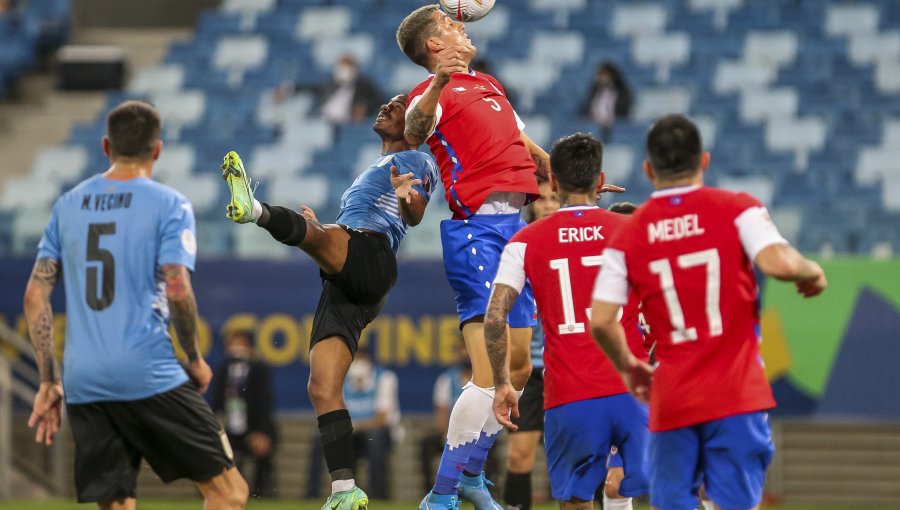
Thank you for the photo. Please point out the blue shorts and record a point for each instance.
(578, 436)
(729, 456)
(472, 250)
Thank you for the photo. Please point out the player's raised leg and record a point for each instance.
(226, 491)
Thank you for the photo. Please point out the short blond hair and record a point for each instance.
(412, 32)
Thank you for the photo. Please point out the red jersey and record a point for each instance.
(560, 255)
(477, 142)
(687, 254)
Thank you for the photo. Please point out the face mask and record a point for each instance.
(239, 352)
(344, 74)
(360, 372)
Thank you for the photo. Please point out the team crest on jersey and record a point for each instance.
(676, 200)
(459, 89)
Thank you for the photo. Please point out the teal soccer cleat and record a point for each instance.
(474, 490)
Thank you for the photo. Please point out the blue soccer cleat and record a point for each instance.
(474, 490)
(434, 501)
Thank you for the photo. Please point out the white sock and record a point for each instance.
(342, 485)
(469, 414)
(257, 210)
(616, 504)
(707, 504)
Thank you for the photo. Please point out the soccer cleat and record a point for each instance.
(474, 490)
(353, 499)
(240, 210)
(434, 501)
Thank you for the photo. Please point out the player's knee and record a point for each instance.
(321, 392)
(519, 461)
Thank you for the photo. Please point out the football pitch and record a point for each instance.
(196, 504)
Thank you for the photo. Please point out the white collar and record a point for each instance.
(678, 190)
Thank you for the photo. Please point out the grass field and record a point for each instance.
(307, 505)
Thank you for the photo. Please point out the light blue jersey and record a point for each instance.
(111, 239)
(537, 346)
(370, 204)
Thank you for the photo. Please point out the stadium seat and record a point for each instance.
(156, 80)
(618, 163)
(758, 105)
(773, 49)
(707, 127)
(60, 165)
(176, 160)
(202, 190)
(272, 113)
(309, 190)
(268, 161)
(654, 103)
(528, 78)
(846, 20)
(798, 135)
(323, 22)
(662, 51)
(538, 129)
(240, 53)
(759, 186)
(877, 163)
(308, 134)
(559, 48)
(180, 109)
(248, 7)
(720, 8)
(255, 242)
(890, 133)
(868, 48)
(634, 19)
(366, 154)
(733, 76)
(492, 27)
(407, 75)
(28, 227)
(890, 194)
(327, 50)
(887, 76)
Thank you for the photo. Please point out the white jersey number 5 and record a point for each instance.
(494, 104)
(709, 258)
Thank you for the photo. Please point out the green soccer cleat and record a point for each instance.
(354, 499)
(240, 210)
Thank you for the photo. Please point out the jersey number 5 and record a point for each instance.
(565, 289)
(494, 104)
(97, 254)
(708, 258)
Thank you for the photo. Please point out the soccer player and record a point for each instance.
(487, 166)
(688, 253)
(357, 258)
(125, 247)
(587, 407)
(523, 442)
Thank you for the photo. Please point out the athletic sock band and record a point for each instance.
(336, 434)
(285, 225)
(517, 492)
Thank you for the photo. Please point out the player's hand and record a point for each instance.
(638, 378)
(450, 60)
(612, 188)
(506, 405)
(403, 184)
(47, 412)
(199, 372)
(308, 213)
(814, 286)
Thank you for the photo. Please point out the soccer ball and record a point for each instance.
(467, 10)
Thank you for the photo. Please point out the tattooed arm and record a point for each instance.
(47, 409)
(496, 340)
(183, 308)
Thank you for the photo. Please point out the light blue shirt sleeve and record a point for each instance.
(179, 240)
(422, 167)
(49, 246)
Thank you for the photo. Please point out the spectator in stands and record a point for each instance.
(370, 392)
(609, 99)
(348, 96)
(243, 394)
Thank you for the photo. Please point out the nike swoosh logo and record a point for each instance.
(335, 506)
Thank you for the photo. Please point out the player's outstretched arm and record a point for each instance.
(47, 409)
(412, 205)
(539, 155)
(610, 336)
(785, 263)
(497, 343)
(183, 309)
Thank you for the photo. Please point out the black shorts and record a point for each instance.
(531, 405)
(353, 298)
(175, 431)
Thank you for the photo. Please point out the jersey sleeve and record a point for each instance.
(755, 228)
(49, 247)
(178, 244)
(612, 284)
(442, 394)
(424, 169)
(512, 266)
(437, 112)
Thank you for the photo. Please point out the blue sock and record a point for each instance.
(453, 461)
(480, 453)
